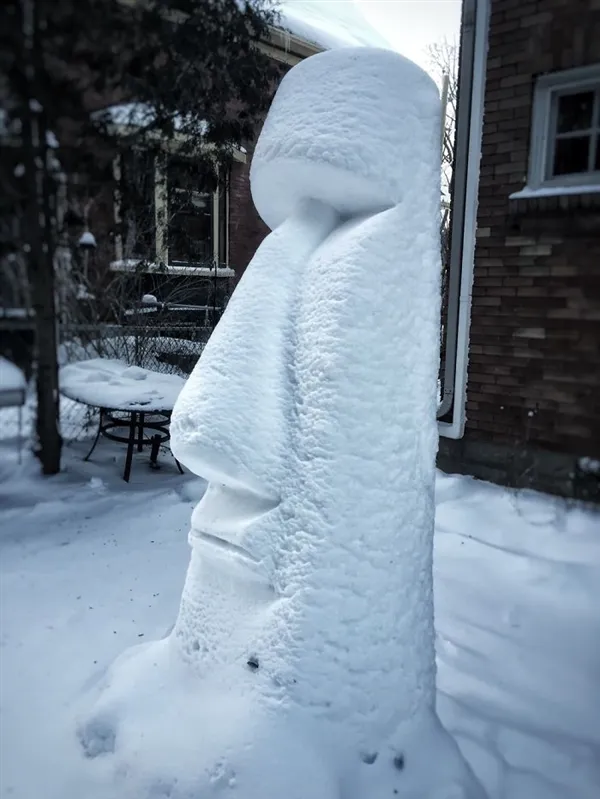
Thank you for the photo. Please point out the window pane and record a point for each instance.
(190, 214)
(575, 112)
(223, 232)
(137, 205)
(571, 155)
(597, 160)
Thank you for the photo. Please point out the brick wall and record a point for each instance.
(534, 365)
(246, 228)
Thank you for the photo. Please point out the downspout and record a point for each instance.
(474, 41)
(445, 86)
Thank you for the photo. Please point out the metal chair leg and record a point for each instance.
(20, 434)
(140, 443)
(130, 445)
(98, 434)
(154, 451)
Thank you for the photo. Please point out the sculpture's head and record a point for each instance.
(317, 388)
(353, 128)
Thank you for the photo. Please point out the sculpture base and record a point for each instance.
(157, 730)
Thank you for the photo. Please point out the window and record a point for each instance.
(191, 216)
(137, 210)
(565, 134)
(163, 214)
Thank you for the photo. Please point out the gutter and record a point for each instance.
(286, 47)
(473, 63)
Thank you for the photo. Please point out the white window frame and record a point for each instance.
(125, 118)
(548, 89)
(221, 259)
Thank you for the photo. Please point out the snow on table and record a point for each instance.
(116, 385)
(13, 384)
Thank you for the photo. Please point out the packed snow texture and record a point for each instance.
(330, 24)
(109, 383)
(11, 377)
(358, 155)
(87, 239)
(305, 638)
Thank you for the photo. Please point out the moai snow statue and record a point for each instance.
(302, 663)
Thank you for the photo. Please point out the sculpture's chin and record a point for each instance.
(221, 553)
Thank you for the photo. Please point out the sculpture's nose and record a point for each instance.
(233, 401)
(230, 422)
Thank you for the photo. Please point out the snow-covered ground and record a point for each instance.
(90, 566)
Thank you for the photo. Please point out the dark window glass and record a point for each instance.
(571, 155)
(575, 112)
(597, 159)
(190, 215)
(223, 233)
(137, 205)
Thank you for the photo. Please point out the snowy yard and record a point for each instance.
(292, 656)
(91, 566)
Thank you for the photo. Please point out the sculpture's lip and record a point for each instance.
(220, 525)
(232, 556)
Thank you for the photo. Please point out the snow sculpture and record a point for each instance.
(302, 664)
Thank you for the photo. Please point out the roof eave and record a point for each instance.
(287, 47)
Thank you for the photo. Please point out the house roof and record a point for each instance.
(329, 24)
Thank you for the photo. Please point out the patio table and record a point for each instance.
(130, 397)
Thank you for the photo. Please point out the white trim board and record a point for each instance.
(455, 429)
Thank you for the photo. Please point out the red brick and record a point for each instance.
(486, 300)
(517, 281)
(531, 20)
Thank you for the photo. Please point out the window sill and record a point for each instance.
(16, 313)
(528, 193)
(198, 271)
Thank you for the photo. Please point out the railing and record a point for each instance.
(162, 347)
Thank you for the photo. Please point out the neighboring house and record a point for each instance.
(244, 228)
(171, 239)
(176, 242)
(307, 28)
(222, 228)
(170, 227)
(523, 393)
